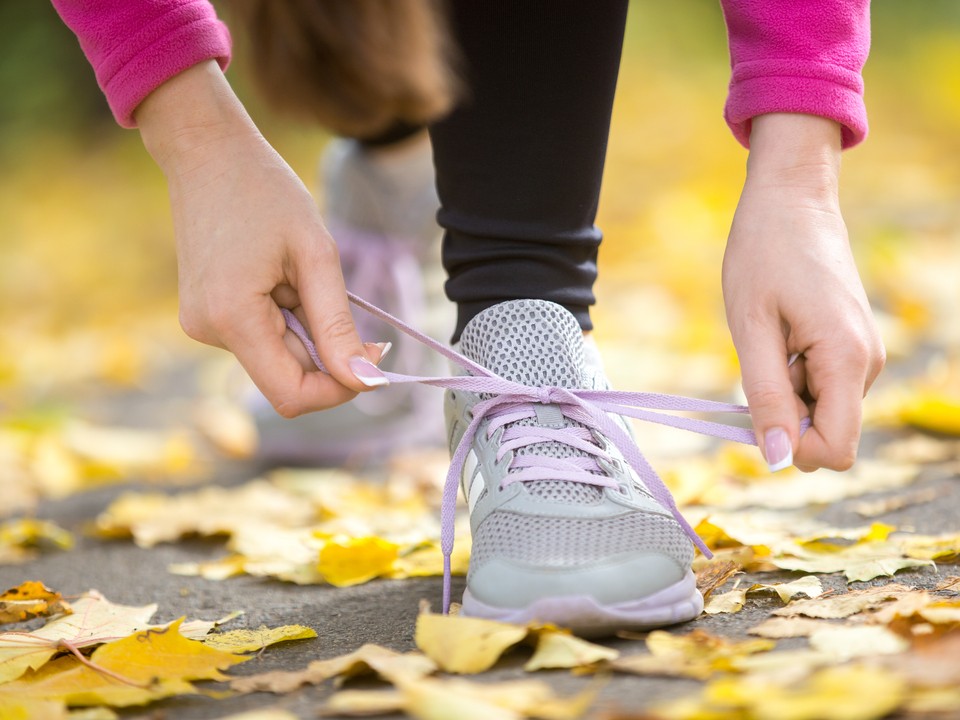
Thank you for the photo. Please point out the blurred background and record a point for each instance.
(89, 341)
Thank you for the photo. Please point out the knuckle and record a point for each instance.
(764, 395)
(339, 326)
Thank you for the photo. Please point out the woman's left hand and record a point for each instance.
(790, 286)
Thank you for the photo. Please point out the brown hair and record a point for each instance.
(359, 67)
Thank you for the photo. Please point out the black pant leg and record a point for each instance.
(519, 162)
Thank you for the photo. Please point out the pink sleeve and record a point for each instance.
(800, 56)
(135, 46)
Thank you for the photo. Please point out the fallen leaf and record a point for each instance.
(933, 412)
(29, 600)
(950, 583)
(942, 548)
(845, 605)
(859, 562)
(95, 620)
(714, 575)
(18, 538)
(351, 561)
(465, 645)
(245, 640)
(846, 643)
(697, 655)
(557, 649)
(728, 602)
(12, 708)
(932, 663)
(263, 714)
(368, 659)
(809, 586)
(853, 692)
(154, 518)
(143, 667)
(777, 628)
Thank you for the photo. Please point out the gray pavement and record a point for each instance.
(380, 612)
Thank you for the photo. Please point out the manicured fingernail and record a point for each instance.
(366, 372)
(779, 449)
(384, 349)
(792, 359)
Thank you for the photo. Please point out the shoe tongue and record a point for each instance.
(533, 342)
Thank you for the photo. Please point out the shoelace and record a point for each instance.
(509, 402)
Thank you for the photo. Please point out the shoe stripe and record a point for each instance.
(477, 487)
(468, 475)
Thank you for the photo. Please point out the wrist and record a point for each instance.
(800, 153)
(183, 119)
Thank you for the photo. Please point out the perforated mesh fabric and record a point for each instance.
(536, 343)
(576, 542)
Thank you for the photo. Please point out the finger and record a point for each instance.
(798, 376)
(256, 337)
(767, 385)
(837, 383)
(323, 297)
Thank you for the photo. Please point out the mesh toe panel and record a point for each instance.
(576, 542)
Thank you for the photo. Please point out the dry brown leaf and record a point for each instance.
(932, 662)
(714, 574)
(950, 583)
(845, 605)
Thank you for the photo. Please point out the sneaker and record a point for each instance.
(591, 550)
(381, 207)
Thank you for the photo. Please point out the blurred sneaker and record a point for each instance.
(381, 205)
(563, 530)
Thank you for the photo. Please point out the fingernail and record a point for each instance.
(366, 372)
(779, 449)
(384, 349)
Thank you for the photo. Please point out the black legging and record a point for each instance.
(519, 163)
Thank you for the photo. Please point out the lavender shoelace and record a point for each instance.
(509, 401)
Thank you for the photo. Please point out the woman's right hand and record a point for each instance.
(250, 241)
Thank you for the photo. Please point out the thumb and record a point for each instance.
(770, 395)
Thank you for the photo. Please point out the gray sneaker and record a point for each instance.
(595, 555)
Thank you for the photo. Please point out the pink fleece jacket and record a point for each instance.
(802, 56)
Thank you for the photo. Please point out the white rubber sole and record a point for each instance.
(677, 603)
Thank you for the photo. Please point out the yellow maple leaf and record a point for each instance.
(246, 640)
(356, 560)
(143, 667)
(95, 621)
